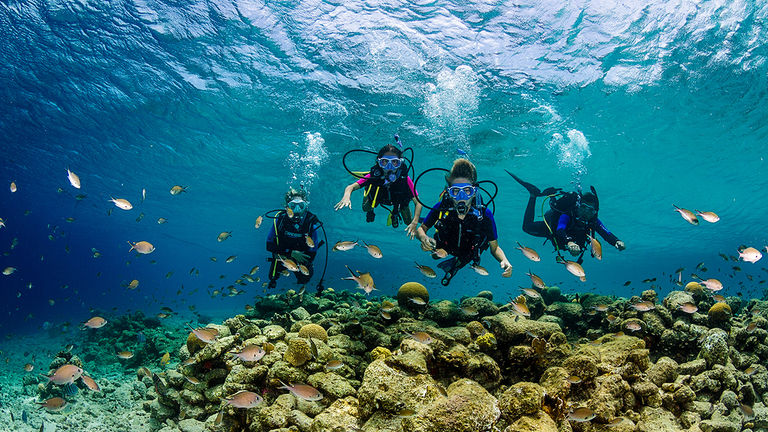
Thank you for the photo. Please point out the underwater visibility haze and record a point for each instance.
(655, 104)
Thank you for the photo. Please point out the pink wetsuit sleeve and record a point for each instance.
(411, 187)
(364, 179)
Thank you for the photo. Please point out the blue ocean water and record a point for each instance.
(654, 104)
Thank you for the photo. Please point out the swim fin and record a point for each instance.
(533, 190)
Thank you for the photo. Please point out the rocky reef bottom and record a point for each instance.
(339, 361)
(547, 362)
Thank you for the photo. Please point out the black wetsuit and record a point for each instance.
(397, 193)
(465, 239)
(566, 226)
(288, 235)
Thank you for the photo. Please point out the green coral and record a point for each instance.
(523, 398)
(314, 331)
(298, 352)
(411, 290)
(486, 342)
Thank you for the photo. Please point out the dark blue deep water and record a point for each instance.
(654, 104)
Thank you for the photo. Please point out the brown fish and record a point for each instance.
(344, 245)
(426, 270)
(223, 236)
(29, 367)
(688, 308)
(633, 326)
(244, 399)
(74, 180)
(600, 307)
(303, 391)
(575, 269)
(530, 292)
(713, 285)
(250, 353)
(520, 308)
(750, 254)
(66, 374)
(643, 306)
(687, 215)
(178, 189)
(288, 263)
(536, 281)
(417, 301)
(528, 252)
(422, 337)
(364, 280)
(373, 250)
(13, 187)
(125, 355)
(121, 203)
(581, 414)
(90, 383)
(708, 216)
(482, 271)
(55, 404)
(257, 224)
(142, 247)
(751, 327)
(95, 323)
(133, 284)
(206, 335)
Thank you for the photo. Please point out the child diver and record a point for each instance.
(570, 221)
(293, 239)
(387, 183)
(463, 226)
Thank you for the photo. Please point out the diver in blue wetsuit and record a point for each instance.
(295, 236)
(463, 226)
(569, 222)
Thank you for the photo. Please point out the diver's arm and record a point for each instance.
(498, 253)
(412, 227)
(345, 200)
(608, 236)
(427, 242)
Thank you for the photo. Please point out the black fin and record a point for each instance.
(533, 190)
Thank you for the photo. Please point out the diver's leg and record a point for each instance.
(368, 208)
(405, 213)
(533, 190)
(274, 271)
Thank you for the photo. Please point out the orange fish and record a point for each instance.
(597, 248)
(142, 247)
(29, 367)
(90, 383)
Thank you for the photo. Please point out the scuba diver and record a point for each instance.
(464, 226)
(293, 239)
(570, 221)
(387, 183)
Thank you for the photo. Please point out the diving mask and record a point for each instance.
(462, 191)
(390, 163)
(297, 206)
(586, 211)
(462, 194)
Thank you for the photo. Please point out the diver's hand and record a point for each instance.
(411, 229)
(299, 256)
(345, 202)
(620, 245)
(573, 248)
(506, 268)
(428, 243)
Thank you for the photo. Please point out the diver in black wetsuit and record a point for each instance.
(295, 237)
(463, 226)
(570, 220)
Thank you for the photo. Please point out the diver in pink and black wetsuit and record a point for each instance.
(387, 183)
